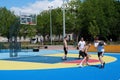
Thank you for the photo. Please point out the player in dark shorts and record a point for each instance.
(85, 54)
(100, 49)
(81, 45)
(65, 48)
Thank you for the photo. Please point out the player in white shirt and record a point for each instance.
(100, 48)
(85, 54)
(81, 46)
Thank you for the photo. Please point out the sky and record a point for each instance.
(29, 6)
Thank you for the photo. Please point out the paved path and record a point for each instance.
(60, 47)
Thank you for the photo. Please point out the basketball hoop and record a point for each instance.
(30, 23)
(28, 19)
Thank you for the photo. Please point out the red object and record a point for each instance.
(78, 61)
(30, 23)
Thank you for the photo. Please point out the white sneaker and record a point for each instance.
(64, 58)
(87, 63)
(80, 65)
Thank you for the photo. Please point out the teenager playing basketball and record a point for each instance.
(85, 54)
(81, 45)
(65, 47)
(100, 48)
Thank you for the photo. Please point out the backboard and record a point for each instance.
(28, 19)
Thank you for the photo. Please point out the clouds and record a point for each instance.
(37, 7)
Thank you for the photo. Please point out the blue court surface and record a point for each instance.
(91, 72)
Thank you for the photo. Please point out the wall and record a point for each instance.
(108, 48)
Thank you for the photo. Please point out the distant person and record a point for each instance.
(81, 45)
(65, 47)
(110, 39)
(41, 39)
(85, 54)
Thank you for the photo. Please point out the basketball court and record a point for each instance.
(48, 65)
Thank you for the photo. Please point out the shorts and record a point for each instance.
(100, 54)
(80, 52)
(83, 54)
(65, 50)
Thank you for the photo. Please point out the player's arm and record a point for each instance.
(105, 44)
(78, 45)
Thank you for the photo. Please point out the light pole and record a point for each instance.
(64, 34)
(64, 18)
(50, 8)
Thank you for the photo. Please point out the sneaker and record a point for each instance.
(80, 65)
(103, 64)
(87, 63)
(64, 58)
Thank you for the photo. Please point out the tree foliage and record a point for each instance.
(7, 19)
(86, 18)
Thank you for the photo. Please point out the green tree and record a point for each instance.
(102, 11)
(7, 19)
(43, 26)
(72, 17)
(115, 27)
(94, 29)
(57, 21)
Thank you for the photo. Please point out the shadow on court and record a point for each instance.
(96, 66)
(41, 59)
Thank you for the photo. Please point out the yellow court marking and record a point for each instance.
(17, 65)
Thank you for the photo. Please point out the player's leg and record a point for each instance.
(84, 58)
(65, 54)
(87, 58)
(79, 54)
(100, 54)
(81, 63)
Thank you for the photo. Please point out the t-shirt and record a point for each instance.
(81, 45)
(100, 47)
(96, 44)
